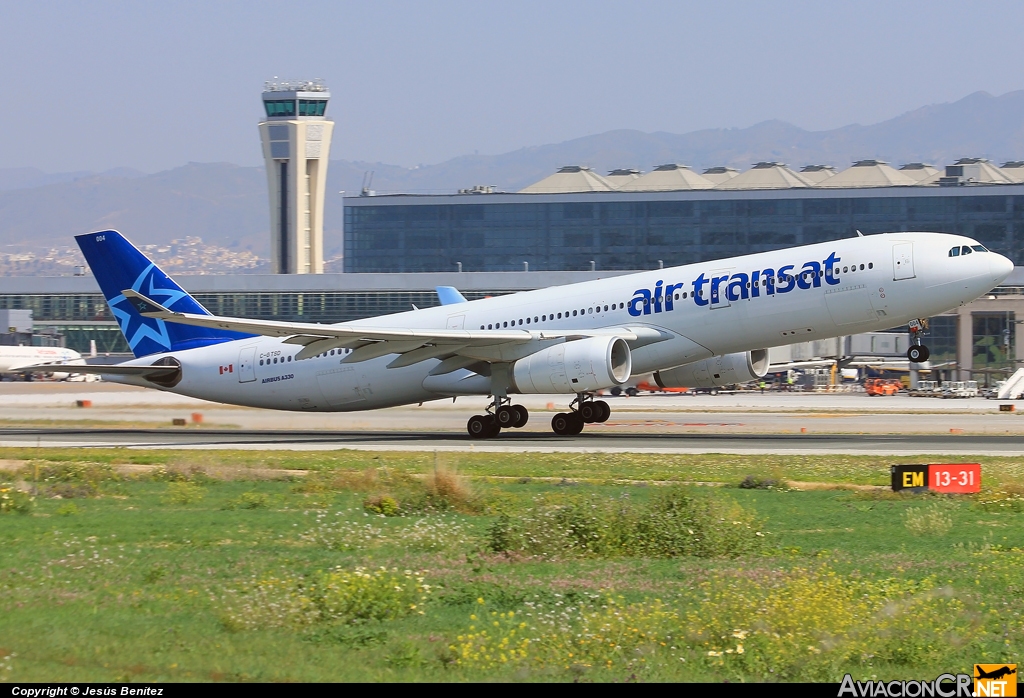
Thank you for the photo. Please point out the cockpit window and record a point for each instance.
(964, 249)
(978, 248)
(955, 252)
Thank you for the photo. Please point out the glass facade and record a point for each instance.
(567, 232)
(941, 338)
(995, 340)
(312, 107)
(279, 107)
(286, 107)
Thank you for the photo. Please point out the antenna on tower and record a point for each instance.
(367, 183)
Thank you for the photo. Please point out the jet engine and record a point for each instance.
(574, 367)
(716, 372)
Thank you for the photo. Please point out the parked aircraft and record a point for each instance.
(699, 325)
(14, 359)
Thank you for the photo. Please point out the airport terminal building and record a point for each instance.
(576, 220)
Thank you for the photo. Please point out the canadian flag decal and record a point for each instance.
(230, 368)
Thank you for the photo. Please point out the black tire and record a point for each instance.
(631, 392)
(494, 429)
(605, 411)
(524, 417)
(576, 424)
(479, 427)
(560, 424)
(713, 391)
(616, 391)
(506, 416)
(918, 353)
(589, 413)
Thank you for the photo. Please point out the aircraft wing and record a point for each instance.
(414, 345)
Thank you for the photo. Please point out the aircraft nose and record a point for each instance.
(1001, 266)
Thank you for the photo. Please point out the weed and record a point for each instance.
(339, 532)
(154, 574)
(1006, 497)
(349, 635)
(929, 520)
(404, 653)
(751, 482)
(69, 509)
(72, 490)
(325, 481)
(249, 500)
(183, 492)
(382, 504)
(337, 595)
(14, 500)
(672, 523)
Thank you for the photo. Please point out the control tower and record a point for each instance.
(296, 137)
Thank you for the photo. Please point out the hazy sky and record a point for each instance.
(153, 85)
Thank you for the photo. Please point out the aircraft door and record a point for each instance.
(903, 261)
(247, 365)
(717, 293)
(456, 322)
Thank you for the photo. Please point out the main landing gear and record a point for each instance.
(501, 414)
(918, 353)
(583, 410)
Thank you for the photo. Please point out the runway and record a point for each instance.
(594, 440)
(46, 414)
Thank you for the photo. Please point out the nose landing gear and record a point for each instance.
(918, 352)
(583, 410)
(501, 414)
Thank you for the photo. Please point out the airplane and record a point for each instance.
(14, 359)
(699, 325)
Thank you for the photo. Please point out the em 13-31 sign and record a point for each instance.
(951, 478)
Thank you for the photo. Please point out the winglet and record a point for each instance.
(449, 295)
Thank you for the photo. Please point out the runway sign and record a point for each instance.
(950, 478)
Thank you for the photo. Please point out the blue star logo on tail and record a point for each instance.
(138, 329)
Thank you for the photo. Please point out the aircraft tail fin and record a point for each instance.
(449, 295)
(118, 265)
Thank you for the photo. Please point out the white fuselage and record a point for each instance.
(12, 358)
(708, 309)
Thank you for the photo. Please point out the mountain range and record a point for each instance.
(226, 204)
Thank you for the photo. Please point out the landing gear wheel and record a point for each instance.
(494, 429)
(918, 353)
(575, 424)
(480, 426)
(604, 411)
(524, 417)
(589, 412)
(560, 424)
(506, 416)
(632, 392)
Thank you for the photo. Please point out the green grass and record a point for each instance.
(143, 581)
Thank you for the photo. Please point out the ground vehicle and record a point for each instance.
(882, 386)
(926, 389)
(960, 389)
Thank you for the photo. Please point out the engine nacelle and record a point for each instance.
(584, 365)
(716, 372)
